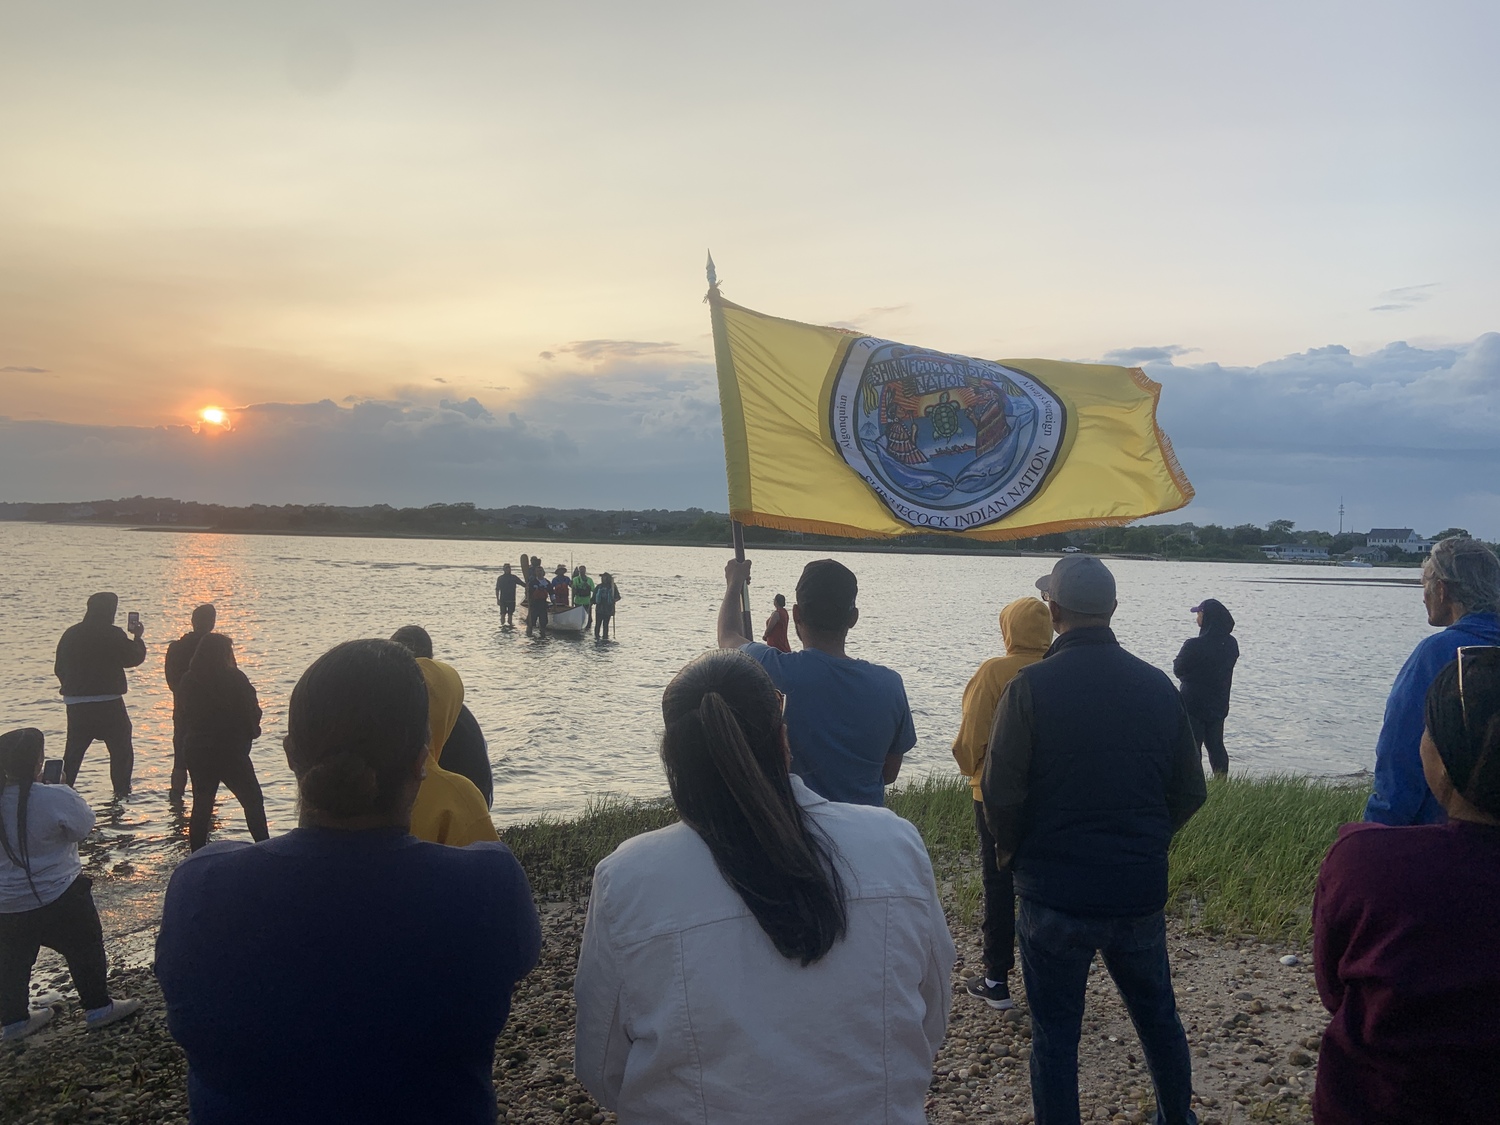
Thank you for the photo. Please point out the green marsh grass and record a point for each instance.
(1244, 865)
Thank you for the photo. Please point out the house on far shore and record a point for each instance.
(1293, 552)
(1398, 539)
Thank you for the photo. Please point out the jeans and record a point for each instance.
(237, 772)
(70, 925)
(1210, 732)
(999, 927)
(179, 765)
(536, 616)
(1056, 951)
(108, 722)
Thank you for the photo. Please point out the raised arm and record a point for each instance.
(736, 575)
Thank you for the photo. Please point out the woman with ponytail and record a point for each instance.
(775, 956)
(1406, 932)
(44, 896)
(346, 971)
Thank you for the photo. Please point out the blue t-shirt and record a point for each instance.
(843, 717)
(343, 976)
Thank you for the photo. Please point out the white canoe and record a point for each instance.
(573, 620)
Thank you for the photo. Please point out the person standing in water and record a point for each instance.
(775, 634)
(505, 594)
(91, 660)
(44, 895)
(1026, 631)
(179, 656)
(1206, 668)
(583, 593)
(219, 717)
(606, 595)
(538, 595)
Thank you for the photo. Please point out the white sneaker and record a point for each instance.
(117, 1011)
(40, 1018)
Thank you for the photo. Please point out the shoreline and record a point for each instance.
(982, 549)
(1252, 1022)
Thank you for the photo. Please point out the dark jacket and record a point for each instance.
(92, 656)
(217, 715)
(465, 753)
(179, 656)
(1091, 769)
(1206, 664)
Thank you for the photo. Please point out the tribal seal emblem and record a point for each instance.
(948, 443)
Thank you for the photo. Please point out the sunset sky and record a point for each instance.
(454, 251)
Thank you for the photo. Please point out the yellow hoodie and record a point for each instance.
(1026, 629)
(449, 808)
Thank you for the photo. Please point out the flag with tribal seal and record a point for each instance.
(946, 442)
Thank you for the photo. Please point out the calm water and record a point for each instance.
(568, 719)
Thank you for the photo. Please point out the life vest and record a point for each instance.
(583, 590)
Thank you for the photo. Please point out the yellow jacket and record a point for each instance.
(449, 808)
(1026, 629)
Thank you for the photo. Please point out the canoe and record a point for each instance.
(574, 620)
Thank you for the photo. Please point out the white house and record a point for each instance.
(1399, 539)
(1293, 552)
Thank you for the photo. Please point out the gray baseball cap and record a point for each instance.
(1081, 583)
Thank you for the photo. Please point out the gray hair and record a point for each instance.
(1471, 570)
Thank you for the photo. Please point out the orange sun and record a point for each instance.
(214, 416)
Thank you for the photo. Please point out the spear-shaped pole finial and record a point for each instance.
(713, 274)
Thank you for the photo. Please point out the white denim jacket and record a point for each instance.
(687, 1013)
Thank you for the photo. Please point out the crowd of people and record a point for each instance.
(562, 591)
(781, 953)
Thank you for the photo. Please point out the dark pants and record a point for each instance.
(235, 771)
(602, 618)
(999, 926)
(179, 765)
(1056, 951)
(536, 616)
(1210, 733)
(108, 722)
(69, 925)
(507, 612)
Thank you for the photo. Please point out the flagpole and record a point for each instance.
(737, 529)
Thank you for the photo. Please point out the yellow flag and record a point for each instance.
(839, 433)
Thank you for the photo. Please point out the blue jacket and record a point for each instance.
(1401, 795)
(1091, 769)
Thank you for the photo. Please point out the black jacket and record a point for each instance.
(93, 655)
(1091, 768)
(218, 715)
(179, 656)
(465, 752)
(1206, 664)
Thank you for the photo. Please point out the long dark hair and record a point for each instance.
(19, 750)
(213, 659)
(356, 728)
(1466, 731)
(726, 765)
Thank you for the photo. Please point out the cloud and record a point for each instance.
(1409, 436)
(1134, 357)
(602, 351)
(24, 370)
(1406, 297)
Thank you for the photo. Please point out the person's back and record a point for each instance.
(849, 1039)
(93, 654)
(467, 754)
(1107, 728)
(335, 976)
(216, 710)
(346, 971)
(449, 809)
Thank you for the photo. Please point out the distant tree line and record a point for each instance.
(529, 523)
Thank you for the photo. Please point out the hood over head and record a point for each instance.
(1216, 619)
(102, 607)
(1026, 626)
(445, 698)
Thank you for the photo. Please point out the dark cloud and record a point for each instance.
(1406, 297)
(24, 370)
